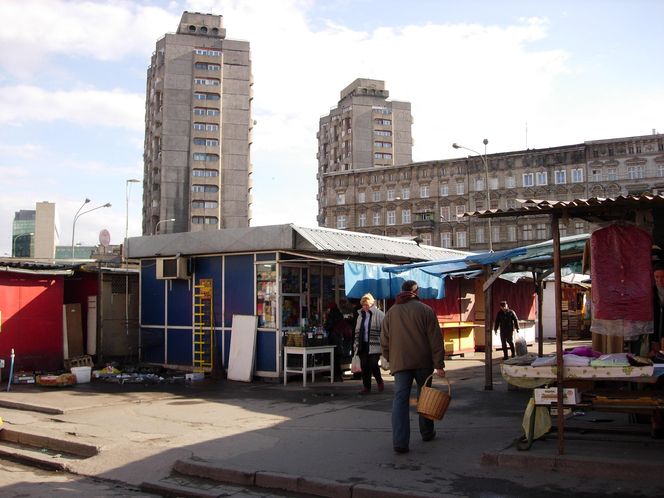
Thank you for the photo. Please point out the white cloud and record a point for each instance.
(33, 30)
(30, 104)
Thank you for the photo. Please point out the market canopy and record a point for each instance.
(362, 278)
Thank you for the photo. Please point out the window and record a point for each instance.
(479, 185)
(527, 232)
(362, 220)
(445, 239)
(528, 180)
(579, 227)
(562, 229)
(375, 195)
(460, 188)
(461, 239)
(204, 156)
(426, 239)
(205, 172)
(207, 142)
(635, 172)
(424, 191)
(596, 175)
(207, 51)
(495, 233)
(207, 96)
(204, 188)
(207, 81)
(391, 217)
(376, 218)
(341, 222)
(383, 122)
(445, 213)
(405, 193)
(660, 170)
(405, 216)
(390, 194)
(361, 197)
(510, 182)
(383, 155)
(577, 175)
(204, 66)
(381, 110)
(204, 220)
(460, 209)
(341, 198)
(493, 183)
(511, 233)
(611, 174)
(206, 127)
(541, 178)
(382, 133)
(383, 145)
(560, 177)
(204, 111)
(479, 235)
(204, 204)
(511, 203)
(541, 232)
(444, 190)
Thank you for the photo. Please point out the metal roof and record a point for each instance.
(289, 237)
(17, 265)
(593, 209)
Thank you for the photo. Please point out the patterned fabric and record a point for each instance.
(375, 317)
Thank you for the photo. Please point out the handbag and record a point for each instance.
(355, 364)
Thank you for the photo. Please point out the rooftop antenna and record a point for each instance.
(526, 135)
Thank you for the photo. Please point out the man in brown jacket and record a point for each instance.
(413, 345)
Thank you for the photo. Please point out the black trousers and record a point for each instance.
(505, 339)
(370, 367)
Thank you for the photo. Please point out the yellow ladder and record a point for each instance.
(203, 326)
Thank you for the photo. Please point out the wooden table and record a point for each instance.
(305, 353)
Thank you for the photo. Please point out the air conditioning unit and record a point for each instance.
(172, 268)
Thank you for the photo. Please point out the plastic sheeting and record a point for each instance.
(621, 271)
(361, 278)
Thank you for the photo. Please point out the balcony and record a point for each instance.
(424, 221)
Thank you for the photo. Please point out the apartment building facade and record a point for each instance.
(426, 199)
(198, 126)
(363, 132)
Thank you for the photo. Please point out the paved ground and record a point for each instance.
(327, 431)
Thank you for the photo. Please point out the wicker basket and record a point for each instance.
(433, 403)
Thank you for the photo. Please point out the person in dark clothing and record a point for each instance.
(507, 322)
(335, 325)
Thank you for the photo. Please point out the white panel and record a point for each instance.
(243, 348)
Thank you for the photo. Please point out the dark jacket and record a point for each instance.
(506, 321)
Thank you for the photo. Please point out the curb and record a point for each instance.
(318, 487)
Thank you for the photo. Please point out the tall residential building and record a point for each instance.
(198, 125)
(364, 131)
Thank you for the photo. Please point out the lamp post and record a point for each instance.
(18, 237)
(156, 227)
(78, 215)
(486, 181)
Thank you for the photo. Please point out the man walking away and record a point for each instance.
(507, 321)
(413, 345)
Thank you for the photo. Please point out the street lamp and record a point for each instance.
(18, 237)
(156, 227)
(78, 215)
(486, 181)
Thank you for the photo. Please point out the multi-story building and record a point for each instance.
(363, 132)
(23, 232)
(426, 199)
(198, 130)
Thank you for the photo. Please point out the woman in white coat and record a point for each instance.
(367, 342)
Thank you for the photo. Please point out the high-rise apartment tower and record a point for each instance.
(197, 168)
(364, 131)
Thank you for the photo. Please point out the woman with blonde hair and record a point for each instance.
(367, 342)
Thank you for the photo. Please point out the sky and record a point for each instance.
(519, 73)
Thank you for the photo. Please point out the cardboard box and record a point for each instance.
(549, 395)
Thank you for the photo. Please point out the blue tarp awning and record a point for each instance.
(365, 277)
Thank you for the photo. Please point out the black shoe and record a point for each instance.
(400, 449)
(429, 437)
